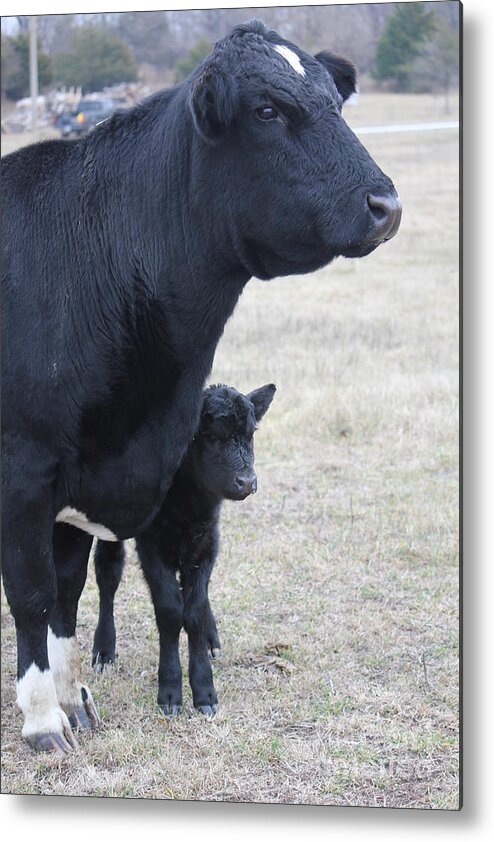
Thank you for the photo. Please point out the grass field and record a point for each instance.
(336, 590)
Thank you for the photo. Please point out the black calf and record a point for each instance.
(183, 539)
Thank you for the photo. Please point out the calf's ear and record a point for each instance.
(342, 70)
(261, 399)
(213, 101)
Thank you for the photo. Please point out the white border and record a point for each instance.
(83, 819)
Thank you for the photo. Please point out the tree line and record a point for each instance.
(400, 46)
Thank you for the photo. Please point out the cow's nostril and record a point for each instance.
(386, 212)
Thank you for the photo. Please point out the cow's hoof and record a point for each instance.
(170, 710)
(84, 716)
(61, 744)
(215, 653)
(207, 710)
(90, 708)
(79, 720)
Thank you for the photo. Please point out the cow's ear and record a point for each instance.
(213, 101)
(342, 70)
(261, 399)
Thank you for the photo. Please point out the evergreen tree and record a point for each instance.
(400, 44)
(190, 62)
(96, 59)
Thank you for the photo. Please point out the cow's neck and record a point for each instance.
(166, 292)
(200, 279)
(175, 252)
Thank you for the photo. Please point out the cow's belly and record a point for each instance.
(114, 517)
(118, 497)
(75, 518)
(123, 491)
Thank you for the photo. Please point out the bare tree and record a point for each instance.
(55, 32)
(437, 66)
(162, 39)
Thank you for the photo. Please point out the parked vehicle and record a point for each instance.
(88, 113)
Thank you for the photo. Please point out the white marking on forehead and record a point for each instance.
(291, 57)
(79, 519)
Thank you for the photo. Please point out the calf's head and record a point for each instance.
(222, 454)
(289, 183)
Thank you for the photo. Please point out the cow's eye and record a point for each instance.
(267, 112)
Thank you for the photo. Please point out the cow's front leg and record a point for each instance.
(168, 610)
(197, 624)
(30, 587)
(71, 549)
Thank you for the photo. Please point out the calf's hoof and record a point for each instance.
(215, 653)
(170, 710)
(170, 699)
(207, 710)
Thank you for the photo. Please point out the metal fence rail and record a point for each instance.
(406, 127)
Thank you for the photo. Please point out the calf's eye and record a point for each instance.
(267, 112)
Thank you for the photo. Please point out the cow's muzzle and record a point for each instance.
(385, 211)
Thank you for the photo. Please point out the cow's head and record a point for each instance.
(292, 183)
(221, 456)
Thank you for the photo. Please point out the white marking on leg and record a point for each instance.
(291, 57)
(79, 519)
(37, 699)
(65, 664)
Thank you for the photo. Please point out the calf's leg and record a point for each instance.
(109, 559)
(197, 623)
(168, 609)
(214, 644)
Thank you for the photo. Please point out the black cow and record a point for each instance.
(183, 539)
(125, 253)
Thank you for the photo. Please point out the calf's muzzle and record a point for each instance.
(245, 485)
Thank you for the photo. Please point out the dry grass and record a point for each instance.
(336, 590)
